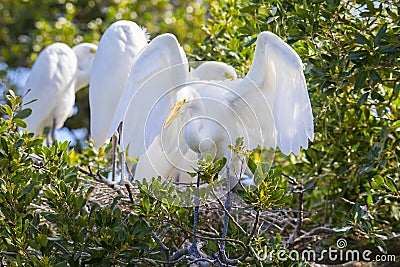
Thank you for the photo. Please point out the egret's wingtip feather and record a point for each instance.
(277, 72)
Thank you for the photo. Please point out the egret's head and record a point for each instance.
(184, 99)
(213, 70)
(85, 54)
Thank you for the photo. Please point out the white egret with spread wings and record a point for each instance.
(268, 107)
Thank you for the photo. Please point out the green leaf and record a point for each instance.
(382, 30)
(249, 42)
(11, 92)
(249, 8)
(252, 165)
(380, 245)
(245, 30)
(8, 110)
(23, 114)
(284, 199)
(391, 185)
(360, 79)
(375, 76)
(19, 123)
(219, 164)
(146, 204)
(42, 239)
(277, 195)
(361, 39)
(357, 55)
(397, 88)
(369, 199)
(362, 99)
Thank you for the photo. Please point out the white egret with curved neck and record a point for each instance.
(269, 107)
(57, 74)
(176, 165)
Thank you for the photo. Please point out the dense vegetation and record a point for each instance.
(347, 182)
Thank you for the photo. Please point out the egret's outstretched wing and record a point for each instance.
(116, 52)
(52, 82)
(154, 78)
(275, 93)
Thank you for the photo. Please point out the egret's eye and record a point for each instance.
(92, 51)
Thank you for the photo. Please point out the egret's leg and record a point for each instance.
(123, 160)
(114, 140)
(51, 135)
(48, 141)
(227, 207)
(53, 130)
(193, 247)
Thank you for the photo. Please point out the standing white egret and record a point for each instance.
(117, 49)
(176, 165)
(57, 74)
(269, 107)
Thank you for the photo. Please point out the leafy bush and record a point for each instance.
(350, 50)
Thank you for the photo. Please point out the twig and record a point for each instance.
(100, 178)
(253, 231)
(240, 243)
(291, 180)
(128, 188)
(297, 229)
(314, 232)
(256, 256)
(161, 245)
(178, 255)
(228, 213)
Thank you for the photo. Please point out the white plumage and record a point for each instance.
(117, 50)
(146, 101)
(56, 75)
(155, 161)
(269, 107)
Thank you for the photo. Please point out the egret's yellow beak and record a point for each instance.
(174, 112)
(229, 76)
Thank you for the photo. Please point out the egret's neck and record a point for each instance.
(197, 131)
(82, 79)
(194, 126)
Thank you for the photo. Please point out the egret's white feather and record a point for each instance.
(156, 162)
(56, 75)
(269, 107)
(158, 71)
(168, 155)
(52, 82)
(117, 50)
(276, 80)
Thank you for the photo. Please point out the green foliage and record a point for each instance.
(267, 194)
(208, 169)
(45, 215)
(350, 50)
(27, 27)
